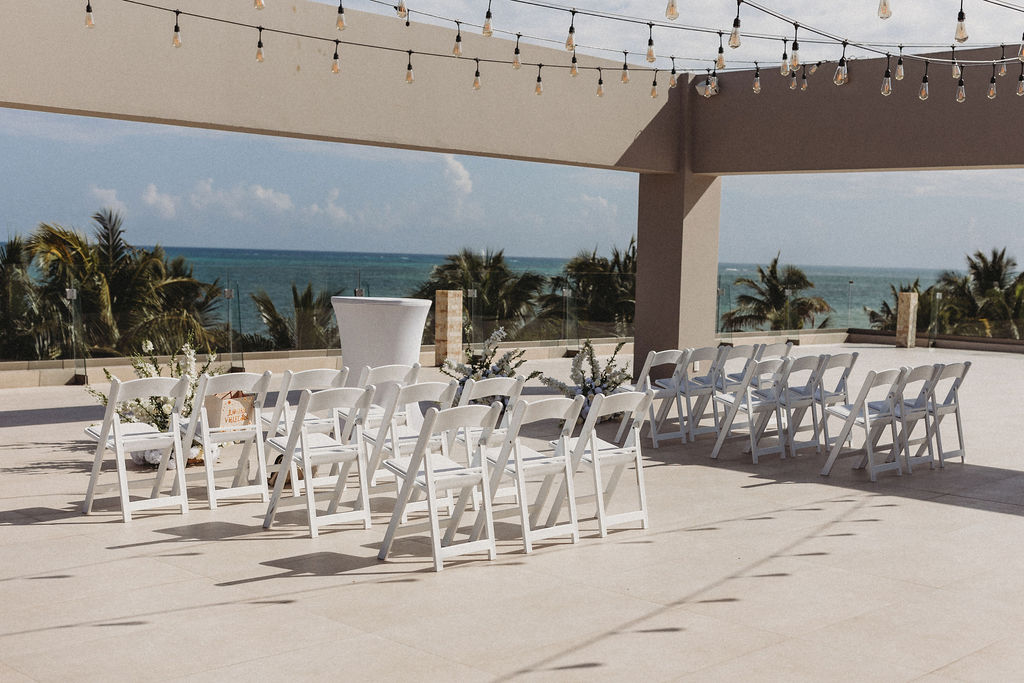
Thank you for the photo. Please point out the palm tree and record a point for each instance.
(312, 326)
(504, 297)
(886, 315)
(29, 329)
(988, 300)
(776, 301)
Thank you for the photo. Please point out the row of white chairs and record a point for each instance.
(375, 436)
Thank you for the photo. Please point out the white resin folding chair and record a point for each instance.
(514, 459)
(732, 363)
(947, 385)
(834, 388)
(212, 438)
(125, 438)
(873, 410)
(387, 379)
(911, 408)
(697, 386)
(797, 397)
(757, 396)
(595, 454)
(343, 445)
(666, 391)
(776, 350)
(278, 421)
(431, 471)
(486, 391)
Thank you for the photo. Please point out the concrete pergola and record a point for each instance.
(679, 144)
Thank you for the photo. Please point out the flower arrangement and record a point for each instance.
(157, 410)
(488, 364)
(601, 380)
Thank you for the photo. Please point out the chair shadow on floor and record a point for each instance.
(325, 564)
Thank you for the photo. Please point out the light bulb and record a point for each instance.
(651, 57)
(476, 80)
(922, 94)
(176, 39)
(89, 23)
(259, 46)
(1020, 52)
(900, 73)
(757, 81)
(803, 82)
(708, 91)
(488, 30)
(401, 10)
(813, 68)
(961, 92)
(784, 68)
(961, 29)
(600, 84)
(516, 64)
(1020, 85)
(1002, 70)
(457, 48)
(714, 83)
(409, 78)
(671, 12)
(258, 4)
(887, 84)
(654, 87)
(884, 11)
(794, 61)
(792, 80)
(673, 81)
(992, 88)
(957, 71)
(625, 68)
(574, 70)
(540, 86)
(841, 73)
(734, 37)
(570, 41)
(341, 16)
(720, 62)
(336, 64)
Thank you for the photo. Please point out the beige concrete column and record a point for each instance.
(906, 320)
(447, 325)
(677, 262)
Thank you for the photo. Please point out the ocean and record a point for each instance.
(847, 289)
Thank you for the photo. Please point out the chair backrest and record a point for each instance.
(674, 357)
(947, 384)
(918, 385)
(766, 377)
(563, 410)
(172, 389)
(835, 374)
(387, 379)
(248, 382)
(805, 372)
(701, 360)
(880, 386)
(313, 380)
(776, 350)
(505, 387)
(735, 358)
(632, 404)
(404, 405)
(477, 422)
(355, 401)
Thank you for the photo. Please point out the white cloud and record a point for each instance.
(331, 209)
(237, 200)
(457, 173)
(109, 199)
(165, 204)
(599, 203)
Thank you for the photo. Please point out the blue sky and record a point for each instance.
(192, 187)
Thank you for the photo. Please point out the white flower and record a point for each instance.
(147, 346)
(168, 408)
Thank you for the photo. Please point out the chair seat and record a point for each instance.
(308, 420)
(136, 436)
(606, 451)
(322, 448)
(531, 460)
(447, 472)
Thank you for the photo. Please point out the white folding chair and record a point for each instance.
(517, 460)
(128, 437)
(314, 448)
(210, 438)
(593, 453)
(911, 408)
(387, 379)
(666, 390)
(431, 471)
(834, 388)
(872, 411)
(732, 363)
(796, 397)
(280, 418)
(947, 384)
(486, 391)
(697, 386)
(776, 350)
(757, 396)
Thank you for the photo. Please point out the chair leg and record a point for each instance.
(570, 487)
(960, 434)
(435, 532)
(179, 467)
(122, 484)
(97, 464)
(275, 496)
(641, 489)
(844, 434)
(725, 428)
(310, 492)
(396, 515)
(599, 491)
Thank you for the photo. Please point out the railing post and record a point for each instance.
(447, 325)
(906, 320)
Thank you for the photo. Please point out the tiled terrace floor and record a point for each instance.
(766, 572)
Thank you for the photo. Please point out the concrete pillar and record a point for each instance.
(447, 325)
(677, 262)
(906, 320)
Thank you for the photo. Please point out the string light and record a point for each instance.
(814, 67)
(651, 57)
(488, 30)
(408, 18)
(899, 66)
(574, 70)
(341, 15)
(734, 37)
(794, 61)
(336, 64)
(792, 80)
(671, 12)
(176, 39)
(476, 75)
(1020, 52)
(714, 82)
(708, 92)
(401, 10)
(540, 86)
(1002, 61)
(884, 11)
(259, 45)
(961, 29)
(570, 42)
(784, 69)
(258, 4)
(672, 80)
(600, 82)
(956, 66)
(803, 79)
(961, 91)
(409, 77)
(1020, 81)
(625, 67)
(516, 64)
(992, 84)
(842, 72)
(887, 79)
(654, 85)
(89, 23)
(922, 94)
(457, 49)
(757, 79)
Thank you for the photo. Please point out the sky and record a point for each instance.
(189, 187)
